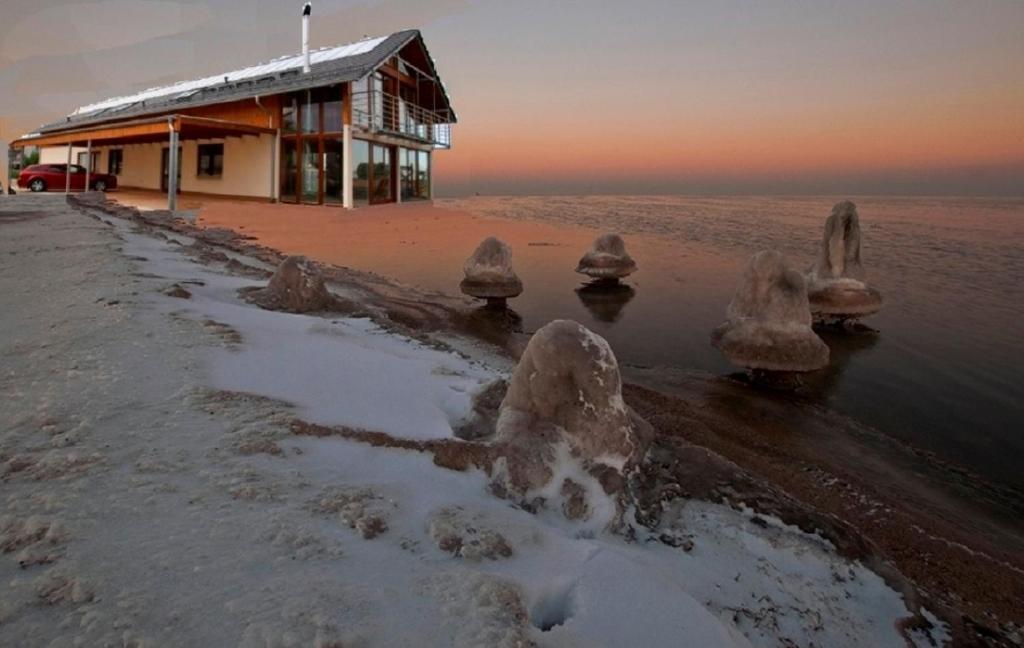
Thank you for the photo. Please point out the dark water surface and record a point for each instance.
(945, 371)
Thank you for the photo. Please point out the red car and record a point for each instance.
(53, 177)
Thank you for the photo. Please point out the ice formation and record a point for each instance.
(564, 429)
(835, 284)
(489, 273)
(607, 259)
(297, 287)
(768, 321)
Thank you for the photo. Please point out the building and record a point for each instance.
(351, 125)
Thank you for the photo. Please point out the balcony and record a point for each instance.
(378, 112)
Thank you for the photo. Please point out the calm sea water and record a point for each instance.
(945, 370)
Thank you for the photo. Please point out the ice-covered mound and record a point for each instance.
(607, 259)
(489, 273)
(768, 321)
(835, 283)
(297, 286)
(563, 430)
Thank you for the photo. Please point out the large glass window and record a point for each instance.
(310, 171)
(210, 160)
(311, 122)
(381, 174)
(289, 169)
(290, 115)
(93, 160)
(407, 173)
(115, 161)
(423, 174)
(414, 174)
(332, 116)
(310, 114)
(333, 170)
(361, 101)
(360, 172)
(377, 107)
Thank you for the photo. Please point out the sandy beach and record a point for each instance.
(197, 471)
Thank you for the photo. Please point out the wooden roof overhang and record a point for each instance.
(144, 131)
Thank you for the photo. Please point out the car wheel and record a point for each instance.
(101, 185)
(37, 185)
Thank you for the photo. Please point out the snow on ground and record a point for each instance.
(339, 371)
(179, 515)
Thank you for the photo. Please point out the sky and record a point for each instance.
(588, 96)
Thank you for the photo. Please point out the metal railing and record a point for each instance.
(378, 112)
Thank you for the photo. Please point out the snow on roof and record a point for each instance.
(274, 67)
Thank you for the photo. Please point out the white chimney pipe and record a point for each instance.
(305, 36)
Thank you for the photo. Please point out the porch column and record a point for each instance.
(275, 159)
(397, 166)
(88, 163)
(67, 176)
(347, 170)
(172, 170)
(346, 149)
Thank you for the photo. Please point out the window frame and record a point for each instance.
(92, 160)
(112, 169)
(212, 171)
(300, 105)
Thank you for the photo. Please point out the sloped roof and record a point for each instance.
(329, 65)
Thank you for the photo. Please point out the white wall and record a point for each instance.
(59, 154)
(246, 170)
(140, 166)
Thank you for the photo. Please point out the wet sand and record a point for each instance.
(956, 536)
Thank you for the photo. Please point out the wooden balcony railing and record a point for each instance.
(378, 112)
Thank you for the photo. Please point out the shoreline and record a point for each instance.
(691, 412)
(936, 376)
(978, 582)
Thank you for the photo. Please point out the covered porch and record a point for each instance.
(164, 136)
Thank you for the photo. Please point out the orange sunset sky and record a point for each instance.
(580, 96)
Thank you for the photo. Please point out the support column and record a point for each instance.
(88, 163)
(275, 173)
(67, 177)
(396, 166)
(346, 150)
(172, 172)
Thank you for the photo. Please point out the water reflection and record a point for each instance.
(843, 345)
(605, 300)
(495, 325)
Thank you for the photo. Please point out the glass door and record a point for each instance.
(360, 172)
(311, 171)
(407, 173)
(311, 150)
(289, 170)
(333, 171)
(382, 181)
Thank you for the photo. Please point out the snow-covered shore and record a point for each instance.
(154, 493)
